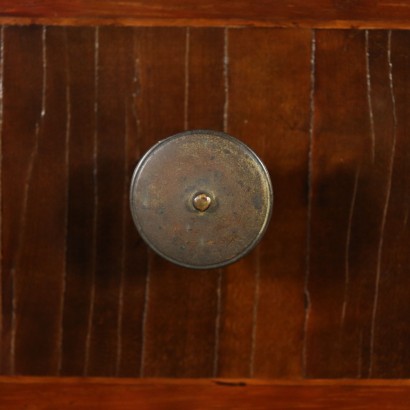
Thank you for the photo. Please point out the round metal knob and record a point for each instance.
(201, 199)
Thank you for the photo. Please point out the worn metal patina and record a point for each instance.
(201, 199)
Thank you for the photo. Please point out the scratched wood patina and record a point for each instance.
(325, 294)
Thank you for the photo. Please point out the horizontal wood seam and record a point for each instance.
(242, 382)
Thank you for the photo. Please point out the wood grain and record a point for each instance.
(134, 256)
(263, 79)
(81, 185)
(352, 175)
(270, 13)
(36, 232)
(113, 61)
(343, 184)
(325, 294)
(89, 127)
(393, 257)
(181, 80)
(237, 284)
(63, 393)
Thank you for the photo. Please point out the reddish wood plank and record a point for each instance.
(235, 327)
(341, 136)
(38, 254)
(23, 74)
(269, 110)
(351, 162)
(62, 393)
(81, 201)
(160, 107)
(296, 13)
(205, 107)
(383, 108)
(236, 285)
(391, 309)
(181, 77)
(135, 253)
(113, 61)
(205, 79)
(39, 313)
(124, 346)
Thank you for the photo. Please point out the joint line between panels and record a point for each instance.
(306, 291)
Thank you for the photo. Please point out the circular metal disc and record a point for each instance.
(201, 199)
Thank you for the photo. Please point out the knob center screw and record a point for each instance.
(202, 202)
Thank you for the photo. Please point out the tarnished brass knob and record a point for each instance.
(201, 199)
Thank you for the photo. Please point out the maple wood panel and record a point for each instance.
(272, 13)
(325, 294)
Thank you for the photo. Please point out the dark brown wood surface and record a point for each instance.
(124, 394)
(359, 186)
(271, 13)
(325, 294)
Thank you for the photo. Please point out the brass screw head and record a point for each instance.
(202, 202)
